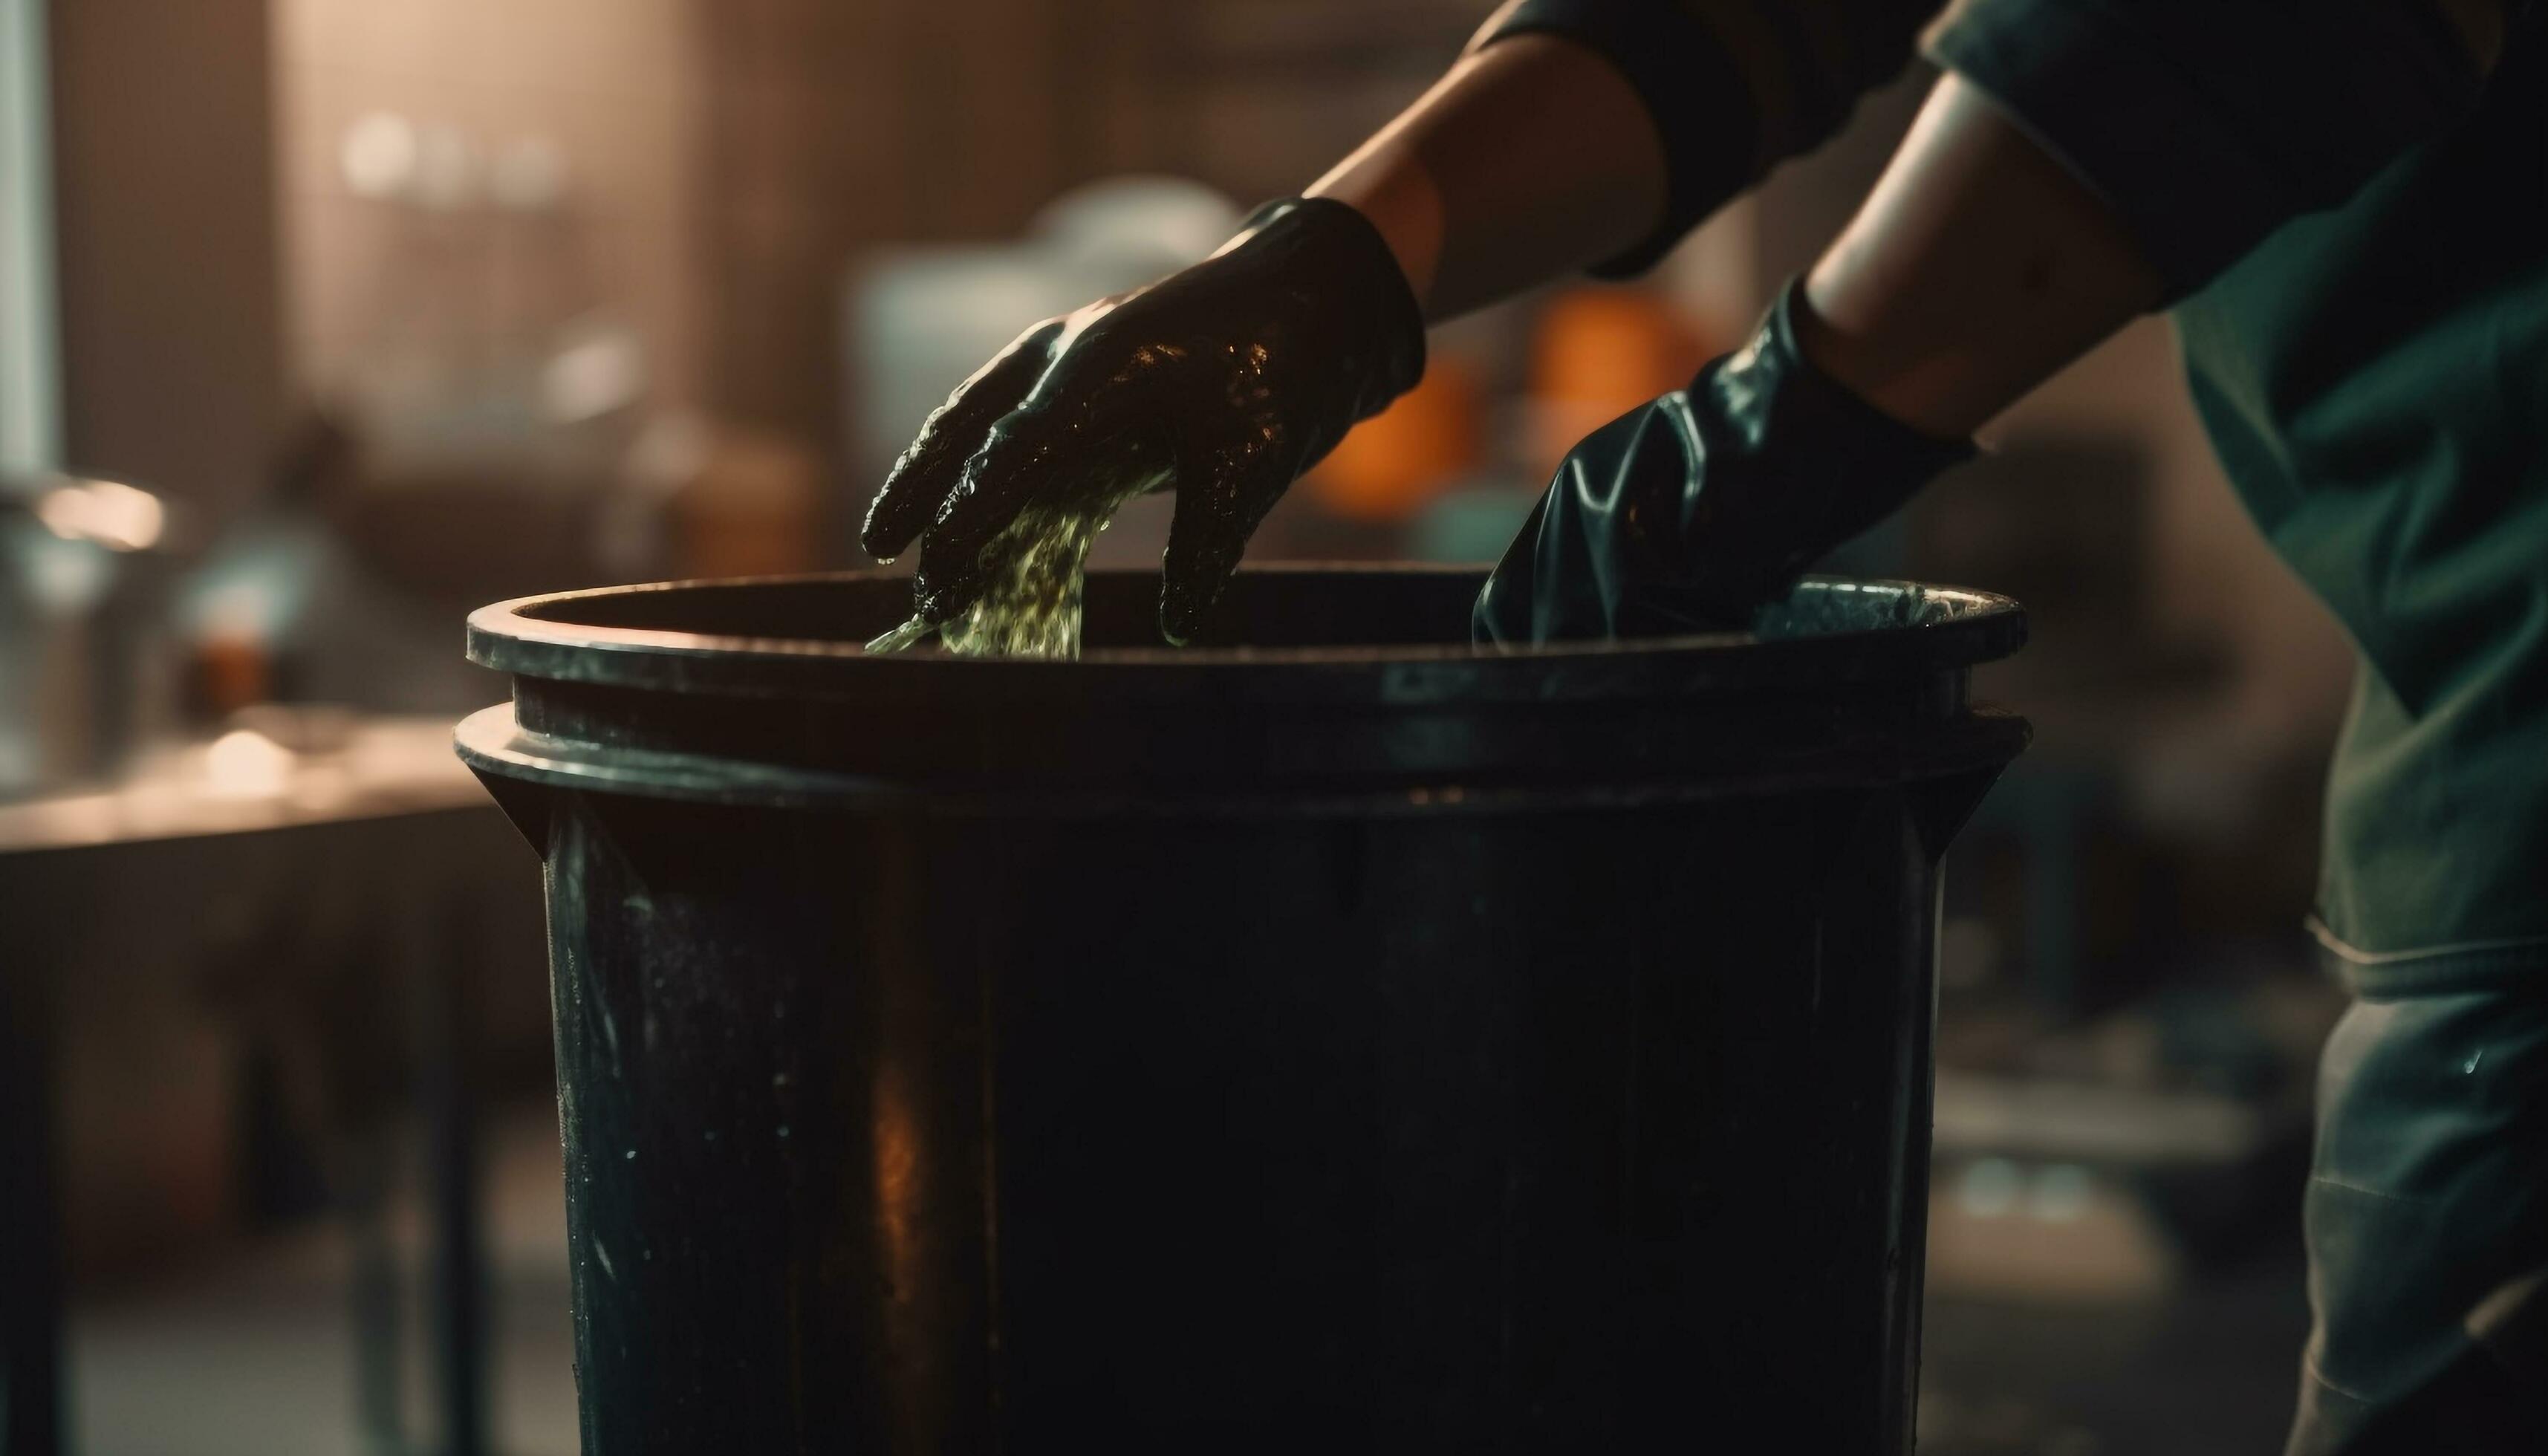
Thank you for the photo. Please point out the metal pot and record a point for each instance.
(83, 582)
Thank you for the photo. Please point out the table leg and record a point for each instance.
(459, 1267)
(31, 1417)
(459, 1275)
(380, 1404)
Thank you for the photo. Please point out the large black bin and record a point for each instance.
(1276, 1045)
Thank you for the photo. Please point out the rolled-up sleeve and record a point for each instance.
(1734, 86)
(2203, 124)
(2207, 123)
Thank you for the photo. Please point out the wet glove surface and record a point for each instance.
(1223, 382)
(1687, 514)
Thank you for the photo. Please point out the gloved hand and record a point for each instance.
(1224, 381)
(1684, 514)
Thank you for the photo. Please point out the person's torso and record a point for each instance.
(2376, 381)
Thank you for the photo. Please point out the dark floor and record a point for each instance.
(2209, 1372)
(256, 1358)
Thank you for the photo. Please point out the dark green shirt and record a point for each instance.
(2355, 225)
(2376, 381)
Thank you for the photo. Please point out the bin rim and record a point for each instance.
(493, 743)
(535, 637)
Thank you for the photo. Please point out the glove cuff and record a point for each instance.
(1330, 247)
(1773, 367)
(1687, 515)
(1819, 465)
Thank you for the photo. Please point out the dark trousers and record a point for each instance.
(2427, 1220)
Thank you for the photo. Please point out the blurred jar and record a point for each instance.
(230, 667)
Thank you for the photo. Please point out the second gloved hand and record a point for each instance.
(1223, 382)
(1684, 514)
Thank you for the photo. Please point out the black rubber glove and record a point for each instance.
(1224, 381)
(1687, 514)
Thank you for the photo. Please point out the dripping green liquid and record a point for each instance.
(1031, 604)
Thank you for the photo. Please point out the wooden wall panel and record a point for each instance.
(171, 318)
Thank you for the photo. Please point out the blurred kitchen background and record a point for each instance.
(323, 322)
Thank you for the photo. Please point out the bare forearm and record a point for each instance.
(1977, 268)
(1530, 159)
(1981, 265)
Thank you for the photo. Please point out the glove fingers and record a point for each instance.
(926, 473)
(1073, 435)
(1030, 452)
(1218, 506)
